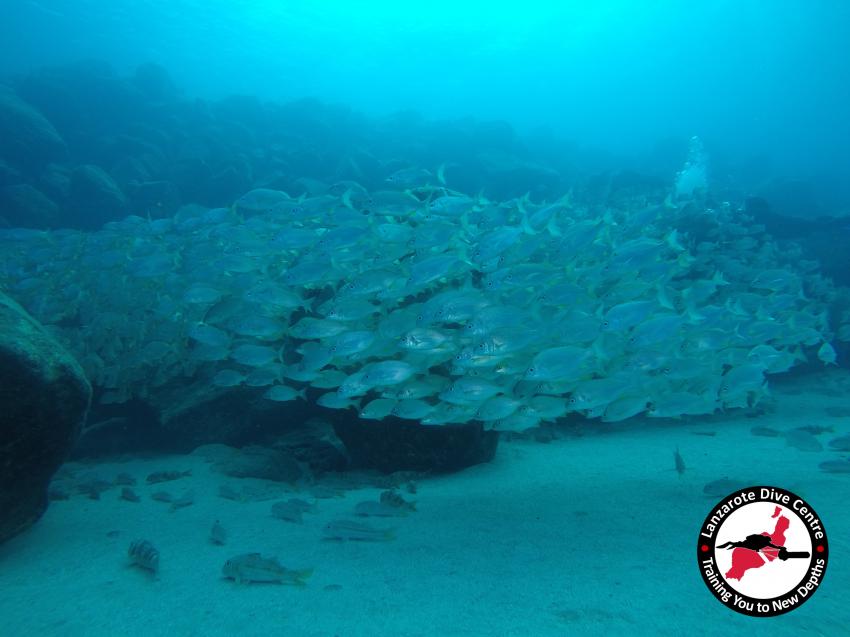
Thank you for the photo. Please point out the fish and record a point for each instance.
(288, 511)
(371, 508)
(841, 443)
(679, 463)
(802, 440)
(166, 476)
(218, 534)
(835, 466)
(460, 309)
(349, 530)
(254, 355)
(144, 555)
(185, 500)
(129, 495)
(765, 432)
(283, 393)
(407, 177)
(721, 487)
(249, 568)
(394, 499)
(124, 479)
(827, 354)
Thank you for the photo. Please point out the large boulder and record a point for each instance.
(27, 139)
(44, 397)
(95, 198)
(28, 207)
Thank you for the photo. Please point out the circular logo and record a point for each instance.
(762, 551)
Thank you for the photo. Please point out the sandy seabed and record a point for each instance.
(591, 534)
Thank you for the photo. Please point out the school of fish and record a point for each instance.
(431, 305)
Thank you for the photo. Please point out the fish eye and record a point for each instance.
(573, 400)
(605, 323)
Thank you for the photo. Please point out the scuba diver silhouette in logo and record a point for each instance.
(758, 542)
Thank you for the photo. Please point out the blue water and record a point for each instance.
(761, 83)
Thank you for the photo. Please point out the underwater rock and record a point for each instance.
(154, 82)
(397, 445)
(94, 196)
(55, 182)
(27, 207)
(8, 175)
(43, 404)
(27, 139)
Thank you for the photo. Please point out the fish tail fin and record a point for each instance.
(300, 577)
(526, 227)
(441, 173)
(718, 279)
(672, 240)
(552, 227)
(520, 203)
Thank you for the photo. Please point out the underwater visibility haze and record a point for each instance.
(409, 319)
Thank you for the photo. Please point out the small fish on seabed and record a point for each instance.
(124, 480)
(144, 555)
(765, 432)
(817, 430)
(128, 494)
(93, 487)
(57, 493)
(254, 568)
(679, 463)
(218, 535)
(321, 492)
(393, 499)
(371, 508)
(835, 466)
(167, 476)
(187, 499)
(842, 443)
(721, 487)
(162, 496)
(287, 511)
(802, 440)
(228, 493)
(342, 530)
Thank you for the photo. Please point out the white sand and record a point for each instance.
(593, 535)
